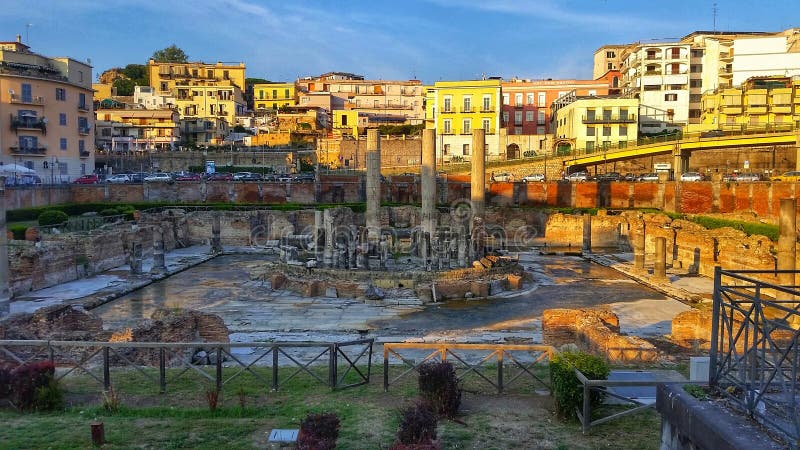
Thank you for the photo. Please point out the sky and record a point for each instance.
(430, 40)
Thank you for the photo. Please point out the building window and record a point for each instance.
(505, 117)
(63, 143)
(27, 95)
(467, 103)
(540, 130)
(194, 73)
(517, 117)
(517, 99)
(696, 68)
(696, 83)
(209, 73)
(528, 116)
(505, 99)
(610, 54)
(697, 53)
(670, 97)
(541, 102)
(487, 125)
(590, 131)
(487, 103)
(446, 127)
(623, 114)
(81, 146)
(82, 100)
(606, 115)
(695, 97)
(62, 119)
(286, 93)
(623, 130)
(261, 94)
(609, 66)
(465, 149)
(447, 104)
(446, 149)
(517, 130)
(225, 74)
(529, 99)
(467, 126)
(606, 131)
(589, 146)
(61, 94)
(590, 115)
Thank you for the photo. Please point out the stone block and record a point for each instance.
(514, 282)
(479, 288)
(330, 292)
(477, 265)
(278, 280)
(496, 287)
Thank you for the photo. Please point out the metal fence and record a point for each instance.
(506, 356)
(101, 361)
(754, 347)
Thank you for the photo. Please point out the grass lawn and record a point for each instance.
(180, 418)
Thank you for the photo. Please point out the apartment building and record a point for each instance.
(455, 108)
(397, 100)
(760, 55)
(202, 132)
(607, 58)
(45, 113)
(200, 90)
(142, 130)
(593, 123)
(759, 102)
(273, 96)
(526, 110)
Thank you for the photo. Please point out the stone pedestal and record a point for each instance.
(159, 263)
(787, 245)
(660, 265)
(216, 240)
(639, 247)
(587, 233)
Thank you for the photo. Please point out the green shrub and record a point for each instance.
(49, 397)
(567, 389)
(52, 217)
(440, 387)
(18, 231)
(109, 212)
(751, 228)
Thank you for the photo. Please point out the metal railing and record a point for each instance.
(100, 359)
(458, 354)
(755, 356)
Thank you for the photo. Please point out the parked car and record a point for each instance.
(309, 177)
(610, 176)
(159, 177)
(187, 176)
(502, 177)
(648, 177)
(138, 177)
(692, 176)
(220, 177)
(119, 178)
(748, 177)
(534, 177)
(788, 176)
(578, 177)
(712, 133)
(246, 176)
(629, 177)
(87, 179)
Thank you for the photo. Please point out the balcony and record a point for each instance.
(448, 111)
(33, 151)
(84, 130)
(28, 123)
(468, 110)
(83, 107)
(630, 118)
(20, 100)
(85, 154)
(449, 131)
(489, 109)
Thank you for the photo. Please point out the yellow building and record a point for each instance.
(346, 123)
(102, 91)
(455, 108)
(761, 102)
(46, 120)
(594, 123)
(273, 95)
(201, 91)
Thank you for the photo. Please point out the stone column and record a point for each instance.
(216, 240)
(660, 265)
(328, 250)
(680, 161)
(318, 235)
(587, 233)
(429, 181)
(787, 241)
(136, 257)
(5, 293)
(478, 177)
(639, 247)
(159, 264)
(373, 185)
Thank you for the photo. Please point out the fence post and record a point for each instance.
(500, 372)
(162, 371)
(715, 319)
(219, 369)
(332, 372)
(106, 372)
(587, 413)
(50, 352)
(385, 369)
(274, 367)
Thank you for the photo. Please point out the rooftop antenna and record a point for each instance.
(28, 33)
(714, 11)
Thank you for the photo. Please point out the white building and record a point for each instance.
(148, 97)
(778, 54)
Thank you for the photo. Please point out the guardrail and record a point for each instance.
(89, 356)
(490, 352)
(755, 350)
